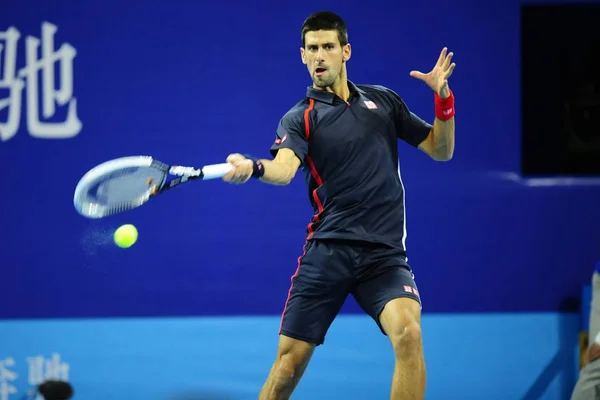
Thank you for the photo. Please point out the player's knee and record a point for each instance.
(290, 360)
(405, 334)
(286, 366)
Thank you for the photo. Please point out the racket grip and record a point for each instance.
(216, 170)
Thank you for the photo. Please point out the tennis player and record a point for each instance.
(344, 136)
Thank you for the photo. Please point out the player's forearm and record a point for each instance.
(442, 144)
(443, 139)
(277, 173)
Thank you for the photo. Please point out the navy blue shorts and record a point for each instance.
(329, 271)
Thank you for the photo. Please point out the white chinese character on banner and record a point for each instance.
(42, 369)
(7, 378)
(39, 65)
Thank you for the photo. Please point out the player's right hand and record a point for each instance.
(241, 171)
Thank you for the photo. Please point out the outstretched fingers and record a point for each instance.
(449, 71)
(446, 63)
(442, 57)
(417, 74)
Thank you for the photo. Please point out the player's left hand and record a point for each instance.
(437, 78)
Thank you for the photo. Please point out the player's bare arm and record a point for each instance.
(279, 171)
(439, 144)
(282, 169)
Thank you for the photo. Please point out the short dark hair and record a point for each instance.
(326, 21)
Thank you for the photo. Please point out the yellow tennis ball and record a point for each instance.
(126, 236)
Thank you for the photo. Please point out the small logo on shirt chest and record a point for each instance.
(370, 105)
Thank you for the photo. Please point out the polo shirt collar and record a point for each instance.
(328, 97)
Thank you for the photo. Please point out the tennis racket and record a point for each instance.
(123, 184)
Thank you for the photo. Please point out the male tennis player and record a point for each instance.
(345, 137)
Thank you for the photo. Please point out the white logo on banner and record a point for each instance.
(40, 369)
(38, 78)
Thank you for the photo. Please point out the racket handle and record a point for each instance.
(216, 170)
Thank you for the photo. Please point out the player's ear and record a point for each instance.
(302, 55)
(347, 52)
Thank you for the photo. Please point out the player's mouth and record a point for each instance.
(320, 71)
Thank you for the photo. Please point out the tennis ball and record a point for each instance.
(126, 236)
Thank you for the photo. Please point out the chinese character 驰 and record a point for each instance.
(38, 79)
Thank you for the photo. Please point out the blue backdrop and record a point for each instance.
(190, 84)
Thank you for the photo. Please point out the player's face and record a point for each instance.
(324, 56)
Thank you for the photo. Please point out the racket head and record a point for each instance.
(118, 185)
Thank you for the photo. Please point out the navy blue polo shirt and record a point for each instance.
(349, 156)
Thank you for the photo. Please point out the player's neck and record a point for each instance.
(339, 87)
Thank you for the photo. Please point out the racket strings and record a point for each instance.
(120, 190)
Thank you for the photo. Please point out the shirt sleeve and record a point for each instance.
(409, 126)
(290, 135)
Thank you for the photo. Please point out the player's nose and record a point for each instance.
(319, 58)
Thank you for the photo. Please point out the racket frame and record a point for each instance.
(184, 174)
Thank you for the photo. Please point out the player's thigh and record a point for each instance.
(318, 291)
(388, 293)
